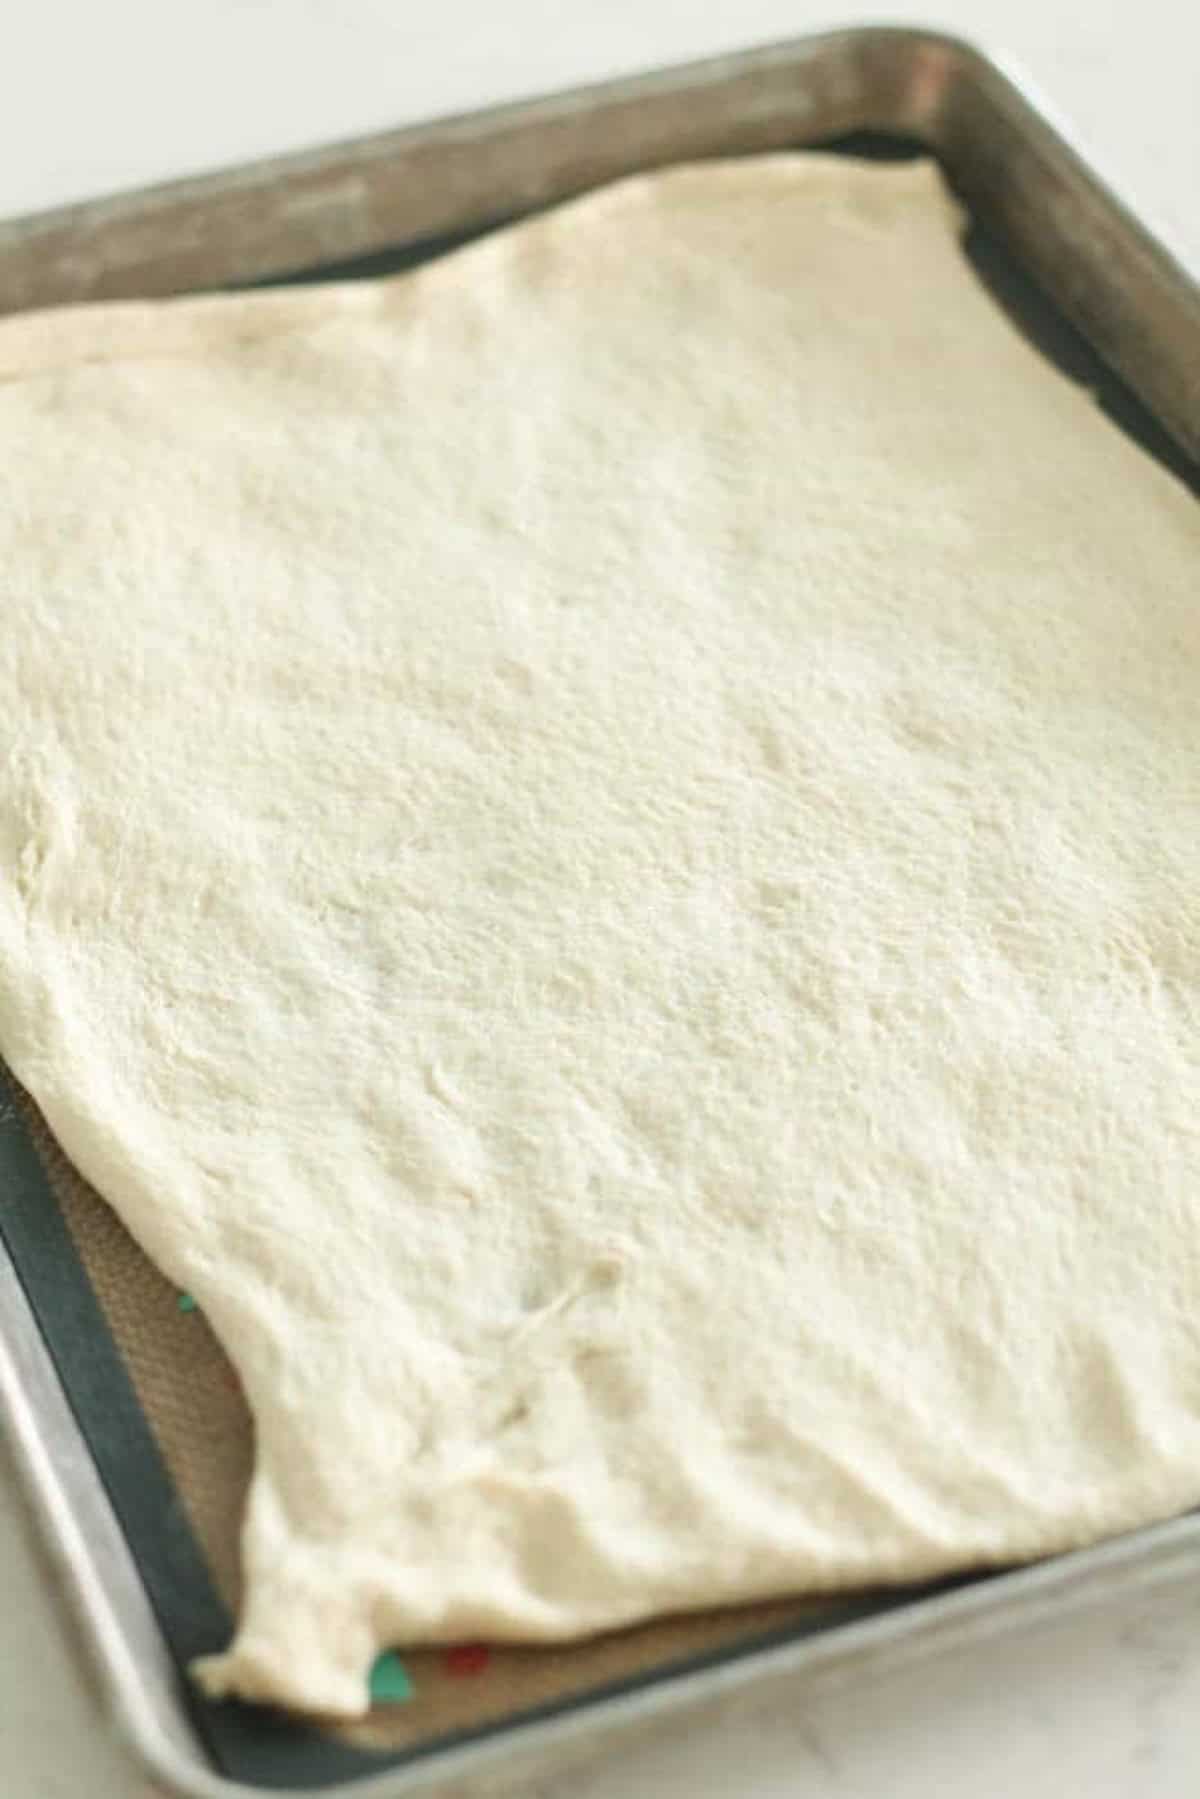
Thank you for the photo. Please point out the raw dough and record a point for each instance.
(601, 849)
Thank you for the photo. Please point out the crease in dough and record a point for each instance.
(599, 855)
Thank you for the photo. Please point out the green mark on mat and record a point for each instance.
(186, 1303)
(390, 1684)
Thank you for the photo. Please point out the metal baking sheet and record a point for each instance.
(1080, 274)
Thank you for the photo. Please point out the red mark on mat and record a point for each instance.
(466, 1659)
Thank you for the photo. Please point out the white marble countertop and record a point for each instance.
(98, 97)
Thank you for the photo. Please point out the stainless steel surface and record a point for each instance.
(1137, 307)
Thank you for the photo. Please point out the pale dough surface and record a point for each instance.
(600, 855)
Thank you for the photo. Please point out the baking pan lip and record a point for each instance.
(923, 68)
(925, 60)
(1042, 1590)
(925, 55)
(915, 41)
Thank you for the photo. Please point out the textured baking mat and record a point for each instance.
(161, 1410)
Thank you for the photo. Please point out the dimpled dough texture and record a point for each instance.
(601, 849)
